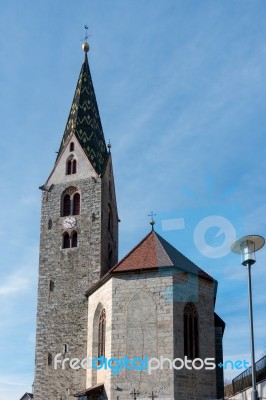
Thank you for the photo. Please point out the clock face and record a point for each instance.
(69, 222)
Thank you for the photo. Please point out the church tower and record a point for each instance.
(78, 242)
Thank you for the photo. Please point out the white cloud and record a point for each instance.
(15, 283)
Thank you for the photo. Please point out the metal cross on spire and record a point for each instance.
(85, 45)
(86, 33)
(152, 222)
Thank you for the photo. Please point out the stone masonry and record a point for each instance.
(62, 311)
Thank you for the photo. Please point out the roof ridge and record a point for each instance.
(179, 252)
(131, 251)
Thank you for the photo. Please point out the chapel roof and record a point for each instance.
(152, 253)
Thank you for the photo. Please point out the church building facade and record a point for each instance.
(154, 306)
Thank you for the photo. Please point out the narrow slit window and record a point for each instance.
(51, 285)
(191, 335)
(110, 218)
(71, 147)
(49, 359)
(50, 224)
(101, 333)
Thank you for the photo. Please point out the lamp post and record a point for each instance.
(247, 246)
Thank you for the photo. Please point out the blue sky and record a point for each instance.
(181, 90)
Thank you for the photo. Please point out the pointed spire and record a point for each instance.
(84, 120)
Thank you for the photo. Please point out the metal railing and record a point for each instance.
(243, 380)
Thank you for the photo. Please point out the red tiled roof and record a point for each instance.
(153, 252)
(149, 253)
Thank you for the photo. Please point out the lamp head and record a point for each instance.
(247, 246)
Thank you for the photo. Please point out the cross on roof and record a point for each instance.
(152, 222)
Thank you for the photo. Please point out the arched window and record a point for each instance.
(101, 334)
(76, 204)
(191, 331)
(110, 218)
(71, 147)
(74, 239)
(69, 167)
(66, 205)
(70, 202)
(66, 241)
(74, 166)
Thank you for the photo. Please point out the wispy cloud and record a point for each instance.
(14, 284)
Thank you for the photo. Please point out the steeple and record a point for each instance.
(84, 120)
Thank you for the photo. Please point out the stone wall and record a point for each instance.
(148, 320)
(62, 306)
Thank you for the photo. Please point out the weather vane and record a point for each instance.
(152, 222)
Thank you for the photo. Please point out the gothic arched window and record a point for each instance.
(70, 202)
(74, 166)
(66, 205)
(66, 241)
(74, 239)
(191, 331)
(69, 167)
(101, 334)
(71, 147)
(76, 204)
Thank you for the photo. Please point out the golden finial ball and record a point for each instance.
(86, 47)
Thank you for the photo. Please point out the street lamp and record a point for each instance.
(247, 246)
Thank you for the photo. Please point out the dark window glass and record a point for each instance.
(49, 359)
(69, 167)
(191, 336)
(76, 204)
(74, 239)
(110, 219)
(74, 166)
(66, 205)
(66, 241)
(71, 147)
